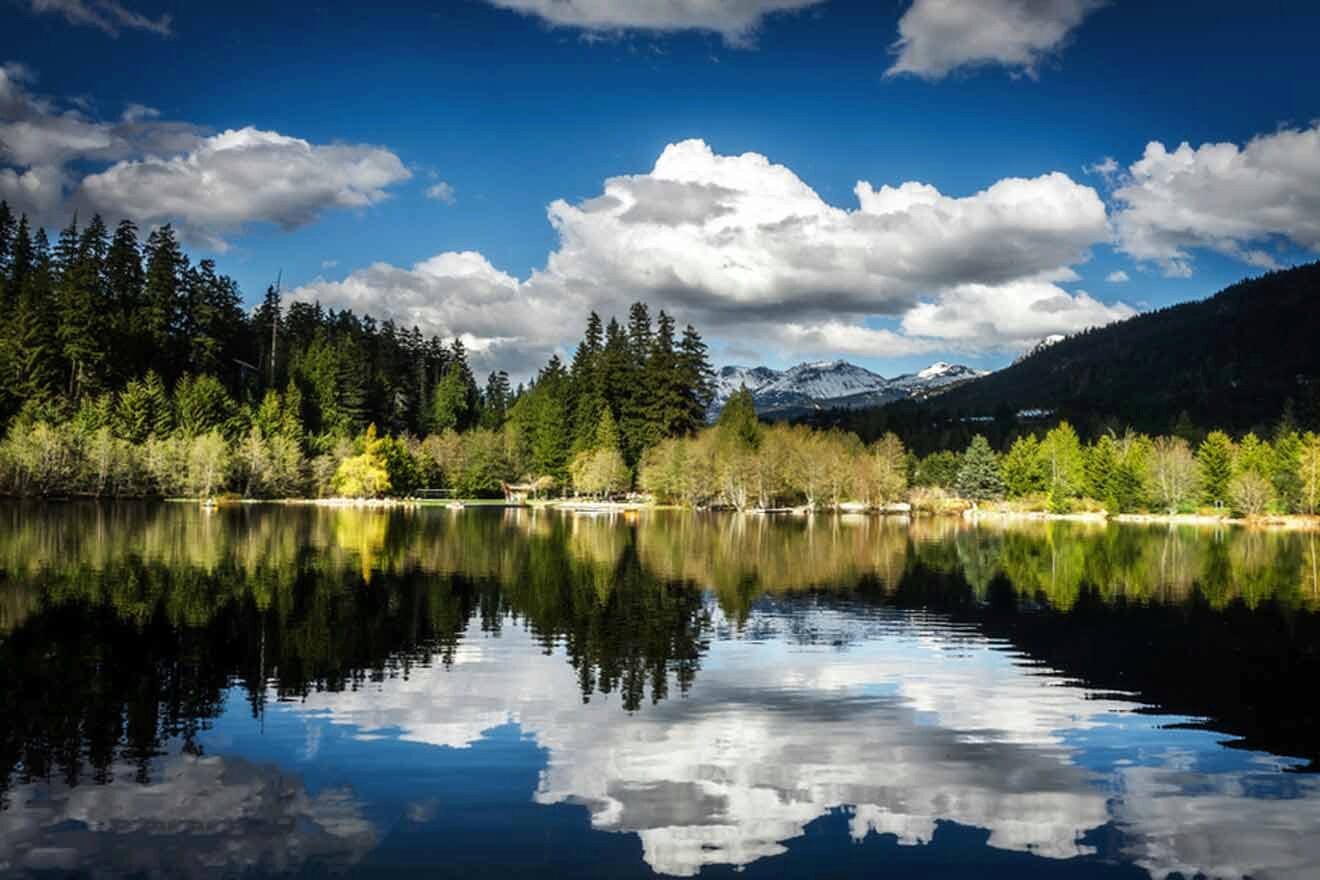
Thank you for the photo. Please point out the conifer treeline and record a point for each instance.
(127, 369)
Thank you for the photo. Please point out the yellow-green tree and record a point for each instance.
(364, 475)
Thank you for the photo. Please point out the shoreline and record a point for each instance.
(1281, 522)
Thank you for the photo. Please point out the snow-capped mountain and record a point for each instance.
(937, 375)
(826, 384)
(730, 379)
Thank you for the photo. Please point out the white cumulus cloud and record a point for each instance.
(937, 37)
(1234, 200)
(1118, 276)
(54, 158)
(244, 176)
(743, 248)
(734, 20)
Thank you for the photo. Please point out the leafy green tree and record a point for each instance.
(1172, 473)
(979, 478)
(1250, 493)
(1309, 472)
(1254, 455)
(1101, 462)
(939, 469)
(1215, 462)
(365, 475)
(202, 405)
(1065, 465)
(208, 464)
(449, 402)
(1024, 469)
(1286, 469)
(738, 421)
(549, 430)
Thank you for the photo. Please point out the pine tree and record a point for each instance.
(124, 280)
(1101, 463)
(7, 296)
(1023, 468)
(1285, 467)
(449, 402)
(36, 352)
(549, 422)
(159, 406)
(266, 322)
(587, 384)
(664, 381)
(201, 405)
(495, 401)
(738, 422)
(82, 306)
(1215, 462)
(166, 272)
(607, 433)
(635, 416)
(979, 478)
(696, 380)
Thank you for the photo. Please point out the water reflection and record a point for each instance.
(713, 687)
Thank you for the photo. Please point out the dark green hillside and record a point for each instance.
(1232, 360)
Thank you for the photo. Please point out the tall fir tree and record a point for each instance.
(587, 397)
(550, 438)
(979, 478)
(696, 380)
(665, 380)
(163, 290)
(124, 280)
(1214, 461)
(36, 346)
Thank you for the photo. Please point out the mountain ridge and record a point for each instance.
(815, 385)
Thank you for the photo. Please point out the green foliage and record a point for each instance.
(1025, 470)
(208, 464)
(1065, 464)
(202, 405)
(1309, 473)
(365, 475)
(979, 478)
(1250, 493)
(1286, 470)
(738, 422)
(1215, 463)
(449, 402)
(939, 469)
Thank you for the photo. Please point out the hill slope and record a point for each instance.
(1231, 360)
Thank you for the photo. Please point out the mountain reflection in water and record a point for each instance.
(269, 689)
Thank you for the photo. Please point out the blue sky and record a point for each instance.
(514, 110)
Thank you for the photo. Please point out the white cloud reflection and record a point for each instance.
(915, 723)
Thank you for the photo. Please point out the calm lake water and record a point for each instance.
(269, 690)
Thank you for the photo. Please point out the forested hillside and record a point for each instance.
(125, 368)
(1230, 361)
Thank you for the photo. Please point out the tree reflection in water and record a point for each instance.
(123, 627)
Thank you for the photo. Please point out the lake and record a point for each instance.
(299, 690)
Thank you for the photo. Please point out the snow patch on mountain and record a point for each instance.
(825, 384)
